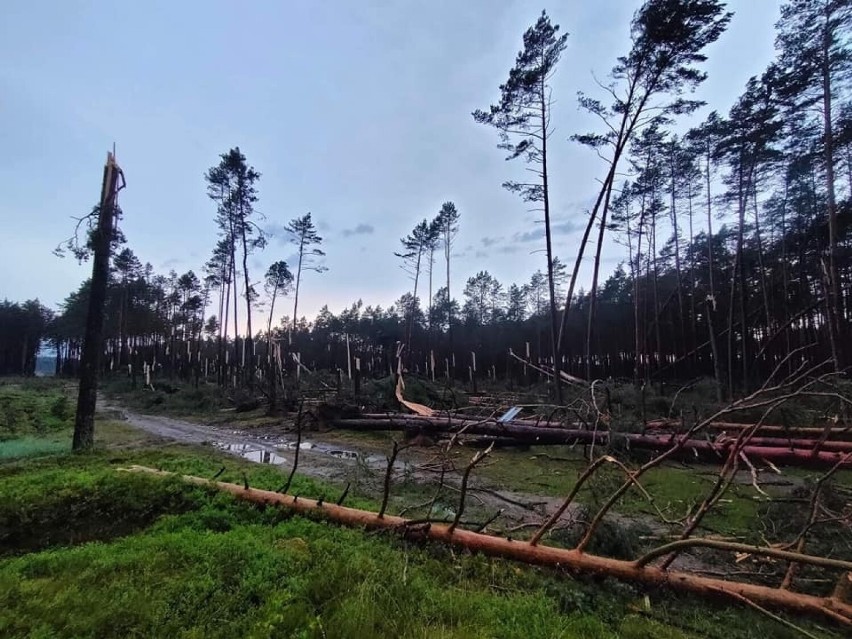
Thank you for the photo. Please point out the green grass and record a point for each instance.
(88, 551)
(553, 470)
(92, 552)
(35, 417)
(38, 406)
(33, 446)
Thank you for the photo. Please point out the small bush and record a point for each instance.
(60, 408)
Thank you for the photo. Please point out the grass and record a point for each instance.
(35, 417)
(34, 407)
(94, 552)
(553, 470)
(87, 551)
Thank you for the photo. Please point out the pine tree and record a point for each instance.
(304, 235)
(668, 37)
(523, 119)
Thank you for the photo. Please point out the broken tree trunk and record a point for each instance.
(779, 452)
(674, 425)
(93, 340)
(571, 560)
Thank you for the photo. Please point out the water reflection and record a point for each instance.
(262, 454)
(343, 454)
(253, 453)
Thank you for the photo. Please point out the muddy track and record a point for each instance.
(334, 456)
(343, 458)
(324, 456)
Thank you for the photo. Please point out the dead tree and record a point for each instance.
(93, 343)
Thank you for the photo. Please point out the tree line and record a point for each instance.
(735, 234)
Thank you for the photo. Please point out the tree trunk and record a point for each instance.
(298, 281)
(676, 237)
(550, 283)
(594, 292)
(711, 302)
(93, 344)
(836, 328)
(413, 305)
(249, 343)
(572, 560)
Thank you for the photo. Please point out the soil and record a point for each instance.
(360, 459)
(340, 457)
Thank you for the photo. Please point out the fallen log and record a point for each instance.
(570, 560)
(783, 433)
(833, 432)
(782, 453)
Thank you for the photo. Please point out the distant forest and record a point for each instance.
(736, 239)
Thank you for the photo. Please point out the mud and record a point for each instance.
(339, 458)
(342, 458)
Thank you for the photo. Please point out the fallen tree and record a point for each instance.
(810, 453)
(835, 607)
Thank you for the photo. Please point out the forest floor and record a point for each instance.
(525, 483)
(88, 551)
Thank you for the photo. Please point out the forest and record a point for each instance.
(719, 347)
(736, 238)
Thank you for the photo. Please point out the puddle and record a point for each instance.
(253, 453)
(302, 446)
(343, 454)
(263, 454)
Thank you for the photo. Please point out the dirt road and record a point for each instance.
(341, 458)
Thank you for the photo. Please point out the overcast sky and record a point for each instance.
(358, 112)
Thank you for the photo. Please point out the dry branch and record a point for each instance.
(478, 457)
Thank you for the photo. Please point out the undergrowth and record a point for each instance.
(89, 551)
(94, 552)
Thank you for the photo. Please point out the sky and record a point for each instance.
(358, 112)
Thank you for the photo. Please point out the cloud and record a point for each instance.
(278, 232)
(481, 255)
(529, 236)
(566, 228)
(490, 241)
(507, 248)
(536, 234)
(361, 229)
(170, 263)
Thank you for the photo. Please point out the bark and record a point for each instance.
(676, 237)
(93, 342)
(298, 281)
(776, 450)
(410, 322)
(711, 302)
(550, 283)
(594, 292)
(835, 301)
(249, 343)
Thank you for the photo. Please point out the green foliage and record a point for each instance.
(39, 407)
(22, 327)
(174, 399)
(116, 554)
(381, 393)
